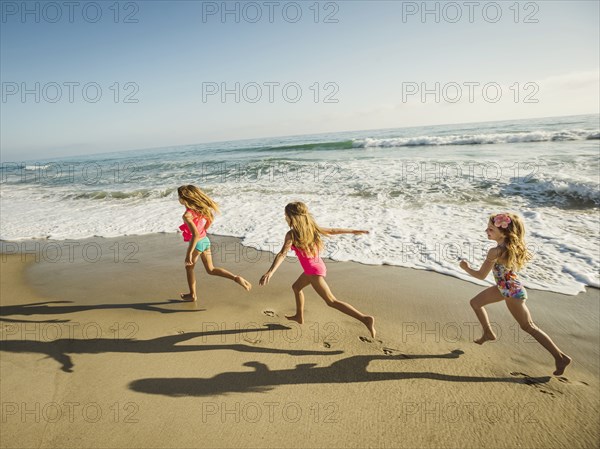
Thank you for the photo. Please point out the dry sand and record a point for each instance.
(99, 352)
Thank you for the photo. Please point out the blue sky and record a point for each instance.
(370, 57)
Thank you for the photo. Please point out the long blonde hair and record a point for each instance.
(195, 199)
(306, 233)
(516, 253)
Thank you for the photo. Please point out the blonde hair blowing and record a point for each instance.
(306, 233)
(195, 199)
(516, 254)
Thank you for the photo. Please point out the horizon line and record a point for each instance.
(296, 135)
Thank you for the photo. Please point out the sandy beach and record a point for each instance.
(98, 351)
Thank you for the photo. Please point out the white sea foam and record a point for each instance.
(477, 139)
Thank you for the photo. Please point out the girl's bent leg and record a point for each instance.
(488, 296)
(216, 271)
(321, 287)
(300, 283)
(520, 312)
(191, 279)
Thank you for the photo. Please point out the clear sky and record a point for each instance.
(374, 57)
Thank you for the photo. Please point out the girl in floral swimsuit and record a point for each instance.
(304, 238)
(511, 254)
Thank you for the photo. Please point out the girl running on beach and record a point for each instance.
(304, 238)
(504, 260)
(198, 216)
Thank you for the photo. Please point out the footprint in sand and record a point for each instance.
(368, 340)
(269, 312)
(572, 382)
(181, 332)
(526, 378)
(326, 345)
(531, 381)
(391, 351)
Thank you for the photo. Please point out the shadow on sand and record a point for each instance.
(60, 349)
(261, 379)
(42, 308)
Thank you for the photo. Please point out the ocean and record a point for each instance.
(423, 193)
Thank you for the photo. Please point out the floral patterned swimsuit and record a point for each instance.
(508, 282)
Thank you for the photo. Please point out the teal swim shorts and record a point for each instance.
(203, 244)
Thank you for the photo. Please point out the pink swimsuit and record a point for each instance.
(313, 266)
(199, 221)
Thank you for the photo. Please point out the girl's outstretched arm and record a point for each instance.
(188, 219)
(279, 258)
(486, 266)
(334, 231)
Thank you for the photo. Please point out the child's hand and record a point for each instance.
(188, 261)
(265, 279)
(463, 264)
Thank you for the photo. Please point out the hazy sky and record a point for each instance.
(89, 77)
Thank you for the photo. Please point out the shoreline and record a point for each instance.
(68, 251)
(111, 331)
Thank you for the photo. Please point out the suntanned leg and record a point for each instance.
(488, 296)
(321, 287)
(302, 281)
(191, 278)
(216, 271)
(520, 312)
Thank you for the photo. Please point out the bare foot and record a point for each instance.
(370, 323)
(485, 337)
(562, 364)
(243, 282)
(188, 297)
(296, 318)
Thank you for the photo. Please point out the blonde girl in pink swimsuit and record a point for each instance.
(199, 215)
(304, 238)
